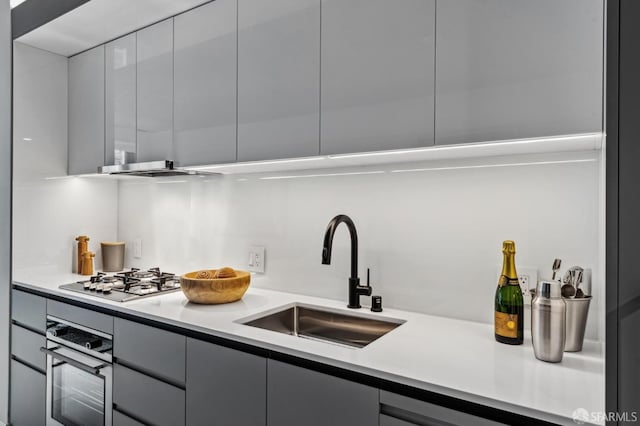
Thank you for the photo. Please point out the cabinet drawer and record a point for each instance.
(29, 309)
(148, 399)
(420, 412)
(120, 419)
(392, 421)
(81, 316)
(25, 345)
(28, 396)
(158, 352)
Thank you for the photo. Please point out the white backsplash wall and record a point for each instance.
(431, 238)
(50, 211)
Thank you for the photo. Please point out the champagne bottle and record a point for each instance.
(509, 304)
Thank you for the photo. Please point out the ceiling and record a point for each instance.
(98, 21)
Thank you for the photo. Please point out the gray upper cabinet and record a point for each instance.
(205, 84)
(278, 79)
(377, 75)
(510, 69)
(86, 112)
(155, 92)
(225, 386)
(120, 99)
(296, 396)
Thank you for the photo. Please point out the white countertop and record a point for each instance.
(452, 357)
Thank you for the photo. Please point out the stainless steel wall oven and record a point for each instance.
(79, 375)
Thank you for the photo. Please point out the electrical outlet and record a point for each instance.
(528, 278)
(256, 259)
(137, 248)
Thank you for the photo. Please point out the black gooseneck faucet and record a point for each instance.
(355, 289)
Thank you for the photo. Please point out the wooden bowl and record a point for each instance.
(211, 291)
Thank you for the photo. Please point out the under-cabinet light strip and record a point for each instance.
(474, 145)
(485, 166)
(377, 172)
(256, 163)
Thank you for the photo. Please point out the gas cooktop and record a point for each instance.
(127, 285)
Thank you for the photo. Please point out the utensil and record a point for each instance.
(568, 291)
(578, 280)
(555, 267)
(572, 277)
(586, 282)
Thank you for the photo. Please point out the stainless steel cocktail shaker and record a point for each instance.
(548, 320)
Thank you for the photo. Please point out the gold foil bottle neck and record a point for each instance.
(508, 247)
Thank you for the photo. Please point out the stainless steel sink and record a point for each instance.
(317, 323)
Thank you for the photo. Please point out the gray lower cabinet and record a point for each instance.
(120, 419)
(160, 353)
(399, 410)
(154, 92)
(25, 345)
(509, 69)
(120, 99)
(28, 396)
(278, 79)
(148, 399)
(29, 310)
(86, 112)
(224, 386)
(377, 78)
(82, 316)
(393, 421)
(205, 47)
(298, 396)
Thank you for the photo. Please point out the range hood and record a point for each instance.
(149, 169)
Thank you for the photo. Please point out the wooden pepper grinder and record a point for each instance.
(87, 262)
(83, 247)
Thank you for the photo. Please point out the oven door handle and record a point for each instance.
(91, 370)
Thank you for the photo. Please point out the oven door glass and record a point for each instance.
(78, 397)
(79, 393)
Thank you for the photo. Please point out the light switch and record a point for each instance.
(256, 259)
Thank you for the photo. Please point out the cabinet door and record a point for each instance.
(120, 100)
(278, 79)
(377, 75)
(205, 84)
(224, 386)
(86, 112)
(154, 92)
(28, 396)
(510, 69)
(298, 396)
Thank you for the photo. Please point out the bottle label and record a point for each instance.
(506, 324)
(504, 280)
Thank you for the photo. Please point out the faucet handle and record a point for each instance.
(368, 284)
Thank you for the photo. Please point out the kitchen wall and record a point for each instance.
(432, 238)
(50, 209)
(5, 202)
